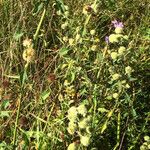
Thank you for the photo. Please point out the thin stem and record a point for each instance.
(118, 131)
(39, 25)
(16, 123)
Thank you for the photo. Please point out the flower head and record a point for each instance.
(72, 113)
(128, 70)
(114, 55)
(118, 30)
(71, 41)
(72, 127)
(83, 123)
(28, 54)
(64, 25)
(82, 110)
(27, 42)
(121, 50)
(92, 32)
(107, 39)
(113, 38)
(115, 76)
(77, 37)
(93, 48)
(65, 38)
(115, 95)
(117, 24)
(72, 146)
(85, 140)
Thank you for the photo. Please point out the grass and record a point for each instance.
(72, 68)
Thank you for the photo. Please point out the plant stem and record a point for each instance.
(39, 25)
(16, 123)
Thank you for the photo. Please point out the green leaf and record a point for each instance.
(45, 95)
(63, 51)
(104, 127)
(72, 76)
(23, 77)
(37, 8)
(26, 139)
(18, 35)
(4, 113)
(5, 104)
(132, 79)
(134, 112)
(102, 110)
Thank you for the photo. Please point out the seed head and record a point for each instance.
(82, 110)
(114, 55)
(115, 95)
(27, 42)
(121, 50)
(72, 146)
(85, 140)
(92, 32)
(128, 70)
(28, 54)
(115, 76)
(72, 113)
(118, 30)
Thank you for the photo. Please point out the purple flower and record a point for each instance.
(117, 24)
(107, 39)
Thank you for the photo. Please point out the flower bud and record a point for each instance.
(66, 7)
(118, 30)
(85, 140)
(71, 41)
(72, 146)
(93, 48)
(82, 110)
(72, 127)
(28, 54)
(64, 25)
(27, 43)
(92, 32)
(77, 37)
(115, 76)
(83, 123)
(113, 38)
(114, 55)
(128, 70)
(72, 113)
(121, 50)
(115, 95)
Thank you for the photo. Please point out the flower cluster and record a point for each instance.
(118, 52)
(115, 37)
(118, 26)
(118, 38)
(79, 122)
(146, 144)
(72, 146)
(28, 53)
(69, 89)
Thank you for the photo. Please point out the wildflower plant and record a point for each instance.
(84, 60)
